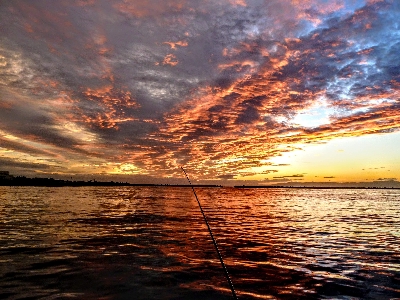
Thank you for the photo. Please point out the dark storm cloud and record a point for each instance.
(10, 164)
(227, 176)
(18, 147)
(249, 115)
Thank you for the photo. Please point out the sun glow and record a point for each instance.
(346, 159)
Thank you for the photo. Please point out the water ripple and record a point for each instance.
(152, 243)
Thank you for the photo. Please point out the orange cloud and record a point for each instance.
(170, 59)
(239, 128)
(178, 43)
(111, 104)
(238, 2)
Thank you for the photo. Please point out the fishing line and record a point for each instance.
(213, 239)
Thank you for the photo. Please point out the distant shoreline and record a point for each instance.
(57, 183)
(63, 183)
(8, 180)
(314, 187)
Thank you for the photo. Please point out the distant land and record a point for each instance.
(9, 180)
(377, 184)
(311, 187)
(6, 179)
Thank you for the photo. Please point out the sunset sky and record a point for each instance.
(264, 91)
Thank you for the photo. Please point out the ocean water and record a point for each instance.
(152, 243)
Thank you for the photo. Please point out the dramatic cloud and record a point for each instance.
(141, 87)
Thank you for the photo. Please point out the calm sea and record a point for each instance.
(152, 243)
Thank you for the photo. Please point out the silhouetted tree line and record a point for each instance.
(8, 180)
(25, 181)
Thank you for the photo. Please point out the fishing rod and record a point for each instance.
(213, 240)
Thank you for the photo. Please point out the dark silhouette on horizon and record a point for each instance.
(6, 179)
(9, 180)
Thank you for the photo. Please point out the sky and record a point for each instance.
(232, 90)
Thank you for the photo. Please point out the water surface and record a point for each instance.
(152, 243)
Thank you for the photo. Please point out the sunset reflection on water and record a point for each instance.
(152, 243)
